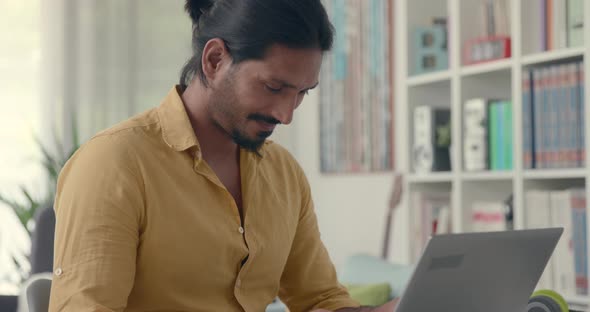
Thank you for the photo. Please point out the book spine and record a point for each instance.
(538, 116)
(581, 114)
(549, 24)
(538, 215)
(508, 135)
(562, 116)
(527, 121)
(543, 26)
(501, 134)
(575, 23)
(580, 241)
(546, 130)
(572, 116)
(564, 276)
(553, 124)
(493, 131)
(474, 134)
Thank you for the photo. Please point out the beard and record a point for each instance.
(225, 113)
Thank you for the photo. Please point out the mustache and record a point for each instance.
(267, 119)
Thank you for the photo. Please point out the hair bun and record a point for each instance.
(196, 8)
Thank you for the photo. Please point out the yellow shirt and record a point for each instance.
(144, 224)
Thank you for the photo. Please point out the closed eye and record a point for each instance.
(272, 90)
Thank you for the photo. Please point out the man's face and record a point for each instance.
(251, 98)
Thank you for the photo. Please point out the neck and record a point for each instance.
(215, 143)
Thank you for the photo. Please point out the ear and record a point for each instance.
(215, 58)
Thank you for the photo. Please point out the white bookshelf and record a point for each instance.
(451, 87)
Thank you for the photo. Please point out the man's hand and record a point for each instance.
(388, 307)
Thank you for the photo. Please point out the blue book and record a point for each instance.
(581, 119)
(537, 118)
(573, 123)
(545, 119)
(579, 240)
(553, 113)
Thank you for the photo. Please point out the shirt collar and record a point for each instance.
(177, 130)
(176, 126)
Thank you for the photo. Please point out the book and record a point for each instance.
(563, 256)
(533, 24)
(581, 155)
(508, 134)
(537, 93)
(538, 215)
(494, 135)
(527, 121)
(489, 216)
(431, 139)
(559, 24)
(575, 23)
(579, 239)
(475, 132)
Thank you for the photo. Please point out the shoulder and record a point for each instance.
(121, 142)
(144, 124)
(117, 148)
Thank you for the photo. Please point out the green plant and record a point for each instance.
(52, 159)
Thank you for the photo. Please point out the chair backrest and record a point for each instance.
(35, 291)
(38, 295)
(42, 240)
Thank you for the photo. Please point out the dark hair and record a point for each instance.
(249, 27)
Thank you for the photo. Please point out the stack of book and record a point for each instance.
(487, 134)
(567, 270)
(553, 116)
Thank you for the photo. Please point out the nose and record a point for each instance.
(283, 111)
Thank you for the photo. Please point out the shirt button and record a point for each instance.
(58, 272)
(241, 230)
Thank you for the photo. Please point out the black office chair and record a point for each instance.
(42, 240)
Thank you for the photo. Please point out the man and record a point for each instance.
(187, 207)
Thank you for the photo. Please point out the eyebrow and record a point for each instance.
(288, 85)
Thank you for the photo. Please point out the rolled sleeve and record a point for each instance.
(309, 280)
(98, 209)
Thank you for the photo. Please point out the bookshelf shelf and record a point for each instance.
(503, 82)
(505, 64)
(551, 56)
(431, 178)
(554, 174)
(488, 176)
(424, 79)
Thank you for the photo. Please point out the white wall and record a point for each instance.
(351, 208)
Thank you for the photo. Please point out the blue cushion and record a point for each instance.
(366, 269)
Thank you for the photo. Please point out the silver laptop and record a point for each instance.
(479, 272)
